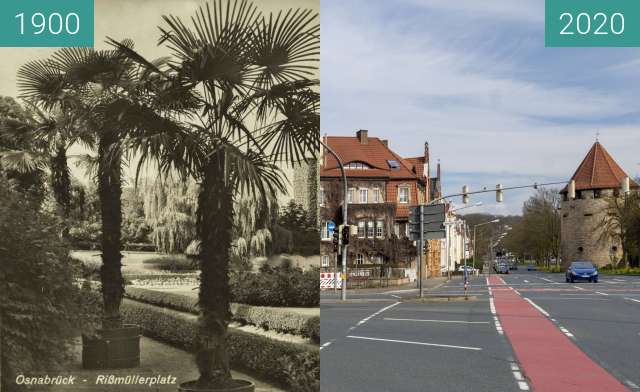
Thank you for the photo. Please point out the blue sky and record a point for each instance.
(474, 79)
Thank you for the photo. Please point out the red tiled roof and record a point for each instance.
(418, 165)
(374, 153)
(599, 170)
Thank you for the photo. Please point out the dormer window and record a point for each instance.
(357, 165)
(393, 164)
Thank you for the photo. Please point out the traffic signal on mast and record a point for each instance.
(499, 193)
(336, 239)
(345, 234)
(465, 194)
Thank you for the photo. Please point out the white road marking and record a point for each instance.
(439, 321)
(579, 288)
(566, 332)
(416, 343)
(601, 293)
(394, 296)
(364, 320)
(631, 384)
(514, 366)
(518, 376)
(523, 386)
(548, 280)
(537, 307)
(526, 281)
(492, 306)
(632, 299)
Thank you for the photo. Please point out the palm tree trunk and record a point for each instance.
(109, 192)
(215, 221)
(61, 180)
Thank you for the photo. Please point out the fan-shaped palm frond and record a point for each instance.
(22, 161)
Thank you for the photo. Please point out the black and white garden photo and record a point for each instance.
(158, 202)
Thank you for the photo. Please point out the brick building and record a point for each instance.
(598, 179)
(382, 186)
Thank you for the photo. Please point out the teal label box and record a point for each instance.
(592, 23)
(46, 23)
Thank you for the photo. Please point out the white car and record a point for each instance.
(469, 269)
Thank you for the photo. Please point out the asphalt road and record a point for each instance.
(524, 331)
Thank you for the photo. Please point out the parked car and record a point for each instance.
(581, 270)
(513, 266)
(470, 269)
(532, 267)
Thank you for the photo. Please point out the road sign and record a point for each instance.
(331, 226)
(431, 220)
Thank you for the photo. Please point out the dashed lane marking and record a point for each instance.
(632, 299)
(579, 288)
(535, 305)
(416, 343)
(631, 384)
(601, 293)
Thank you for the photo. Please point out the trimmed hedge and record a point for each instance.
(269, 318)
(277, 286)
(278, 361)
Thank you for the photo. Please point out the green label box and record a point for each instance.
(592, 23)
(46, 23)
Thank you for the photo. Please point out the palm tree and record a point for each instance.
(111, 92)
(257, 109)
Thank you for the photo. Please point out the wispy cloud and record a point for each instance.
(488, 102)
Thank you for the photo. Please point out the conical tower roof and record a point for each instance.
(599, 170)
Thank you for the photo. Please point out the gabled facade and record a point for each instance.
(382, 186)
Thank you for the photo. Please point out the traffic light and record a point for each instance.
(345, 234)
(499, 193)
(336, 240)
(465, 194)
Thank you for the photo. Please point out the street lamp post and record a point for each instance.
(344, 219)
(474, 238)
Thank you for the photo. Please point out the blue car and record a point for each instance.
(581, 270)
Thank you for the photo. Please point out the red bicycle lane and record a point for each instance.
(550, 360)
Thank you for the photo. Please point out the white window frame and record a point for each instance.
(363, 192)
(326, 235)
(321, 196)
(325, 261)
(350, 194)
(362, 229)
(376, 195)
(371, 229)
(380, 229)
(359, 259)
(400, 199)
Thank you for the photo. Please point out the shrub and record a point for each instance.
(173, 263)
(279, 320)
(271, 359)
(39, 300)
(312, 329)
(277, 286)
(303, 373)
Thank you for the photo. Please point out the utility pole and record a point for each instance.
(344, 218)
(421, 249)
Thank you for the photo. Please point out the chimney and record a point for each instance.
(438, 170)
(362, 136)
(385, 142)
(426, 152)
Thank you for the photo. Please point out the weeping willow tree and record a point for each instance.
(169, 209)
(252, 222)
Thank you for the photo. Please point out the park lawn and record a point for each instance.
(133, 263)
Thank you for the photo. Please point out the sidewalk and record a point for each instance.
(359, 294)
(156, 360)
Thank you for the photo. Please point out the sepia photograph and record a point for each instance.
(158, 196)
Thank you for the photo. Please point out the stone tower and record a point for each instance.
(597, 180)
